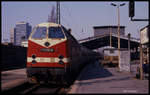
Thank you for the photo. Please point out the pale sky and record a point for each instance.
(75, 15)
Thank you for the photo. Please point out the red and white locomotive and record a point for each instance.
(54, 54)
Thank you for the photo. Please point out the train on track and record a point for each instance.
(110, 57)
(55, 55)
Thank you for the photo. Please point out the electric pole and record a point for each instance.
(58, 12)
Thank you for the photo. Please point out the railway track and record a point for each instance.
(28, 88)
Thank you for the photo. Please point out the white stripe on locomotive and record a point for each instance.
(47, 59)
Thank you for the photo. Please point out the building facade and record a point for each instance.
(22, 31)
(102, 30)
(12, 35)
(144, 40)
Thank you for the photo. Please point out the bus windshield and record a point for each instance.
(55, 32)
(39, 32)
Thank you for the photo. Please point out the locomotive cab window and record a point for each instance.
(39, 32)
(55, 32)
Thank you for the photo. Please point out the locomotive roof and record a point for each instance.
(48, 24)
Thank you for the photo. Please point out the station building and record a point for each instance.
(102, 30)
(144, 32)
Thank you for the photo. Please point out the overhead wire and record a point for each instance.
(66, 8)
(67, 22)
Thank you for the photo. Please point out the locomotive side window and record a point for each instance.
(65, 31)
(39, 32)
(55, 32)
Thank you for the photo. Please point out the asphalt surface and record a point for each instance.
(102, 80)
(93, 79)
(12, 78)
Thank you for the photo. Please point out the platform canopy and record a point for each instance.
(104, 40)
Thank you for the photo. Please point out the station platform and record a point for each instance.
(103, 80)
(12, 78)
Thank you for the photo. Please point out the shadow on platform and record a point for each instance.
(95, 71)
(102, 81)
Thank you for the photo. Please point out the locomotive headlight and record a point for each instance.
(47, 44)
(61, 62)
(60, 56)
(33, 61)
(33, 56)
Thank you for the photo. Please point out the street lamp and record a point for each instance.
(118, 27)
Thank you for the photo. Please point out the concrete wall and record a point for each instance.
(13, 57)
